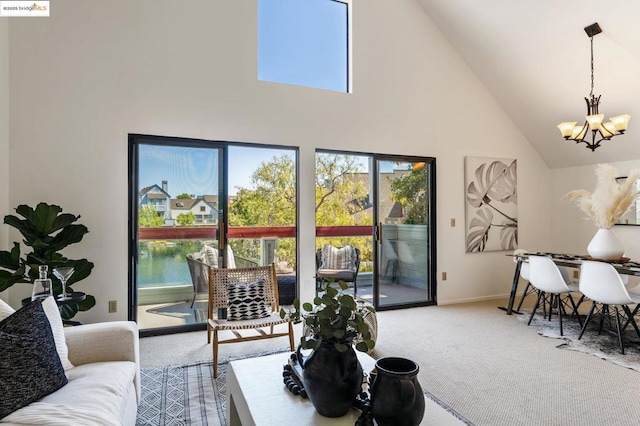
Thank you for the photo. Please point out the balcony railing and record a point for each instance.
(211, 232)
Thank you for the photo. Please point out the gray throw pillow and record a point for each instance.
(30, 367)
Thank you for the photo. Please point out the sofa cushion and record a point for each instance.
(53, 315)
(57, 328)
(30, 367)
(96, 394)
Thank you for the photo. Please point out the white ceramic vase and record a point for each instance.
(605, 245)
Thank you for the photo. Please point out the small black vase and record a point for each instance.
(332, 379)
(396, 394)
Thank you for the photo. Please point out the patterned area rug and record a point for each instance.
(603, 346)
(176, 395)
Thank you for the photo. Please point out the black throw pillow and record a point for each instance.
(30, 367)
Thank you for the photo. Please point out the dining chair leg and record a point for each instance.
(524, 294)
(630, 315)
(560, 313)
(551, 300)
(619, 329)
(605, 311)
(631, 319)
(575, 310)
(586, 321)
(540, 293)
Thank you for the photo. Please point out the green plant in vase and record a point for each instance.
(333, 318)
(332, 374)
(46, 230)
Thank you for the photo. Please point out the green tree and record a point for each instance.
(184, 196)
(410, 191)
(186, 219)
(340, 188)
(148, 217)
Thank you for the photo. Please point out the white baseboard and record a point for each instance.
(475, 299)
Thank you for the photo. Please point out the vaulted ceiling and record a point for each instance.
(534, 57)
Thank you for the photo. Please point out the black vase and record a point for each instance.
(396, 394)
(332, 379)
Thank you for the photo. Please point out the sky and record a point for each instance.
(303, 42)
(194, 170)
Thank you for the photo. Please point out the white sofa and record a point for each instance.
(104, 385)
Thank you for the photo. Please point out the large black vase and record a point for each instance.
(332, 379)
(396, 394)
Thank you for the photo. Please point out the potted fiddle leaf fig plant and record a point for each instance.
(46, 230)
(332, 374)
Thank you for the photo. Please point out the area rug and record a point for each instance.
(604, 346)
(189, 395)
(197, 314)
(175, 395)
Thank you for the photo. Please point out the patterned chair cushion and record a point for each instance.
(247, 302)
(338, 258)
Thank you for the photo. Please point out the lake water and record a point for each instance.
(164, 263)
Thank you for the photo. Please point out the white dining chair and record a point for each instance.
(600, 282)
(545, 275)
(524, 274)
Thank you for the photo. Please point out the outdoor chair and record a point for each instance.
(249, 297)
(199, 261)
(545, 275)
(601, 283)
(337, 264)
(199, 275)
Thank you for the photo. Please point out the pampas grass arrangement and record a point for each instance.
(610, 200)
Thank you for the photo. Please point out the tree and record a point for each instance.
(272, 201)
(410, 191)
(186, 219)
(184, 196)
(148, 217)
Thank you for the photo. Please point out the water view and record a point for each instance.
(164, 263)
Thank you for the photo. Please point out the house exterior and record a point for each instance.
(156, 197)
(206, 212)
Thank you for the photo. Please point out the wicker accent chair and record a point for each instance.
(220, 280)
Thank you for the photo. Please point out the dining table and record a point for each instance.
(623, 265)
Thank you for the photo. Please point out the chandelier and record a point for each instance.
(599, 131)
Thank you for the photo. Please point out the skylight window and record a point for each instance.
(304, 42)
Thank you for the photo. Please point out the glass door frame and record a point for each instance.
(431, 298)
(135, 140)
(432, 229)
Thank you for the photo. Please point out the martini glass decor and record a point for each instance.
(63, 273)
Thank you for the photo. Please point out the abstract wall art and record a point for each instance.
(491, 204)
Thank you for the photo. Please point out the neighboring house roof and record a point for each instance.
(156, 196)
(153, 190)
(188, 204)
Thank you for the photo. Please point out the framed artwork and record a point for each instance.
(491, 204)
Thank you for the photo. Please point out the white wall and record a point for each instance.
(571, 231)
(4, 133)
(95, 71)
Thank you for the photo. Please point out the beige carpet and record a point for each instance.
(490, 367)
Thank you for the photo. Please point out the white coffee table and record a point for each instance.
(256, 395)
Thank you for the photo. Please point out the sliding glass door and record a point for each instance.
(405, 232)
(384, 206)
(195, 204)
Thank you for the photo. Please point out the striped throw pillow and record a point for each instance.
(247, 302)
(338, 258)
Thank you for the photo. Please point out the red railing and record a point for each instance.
(211, 232)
